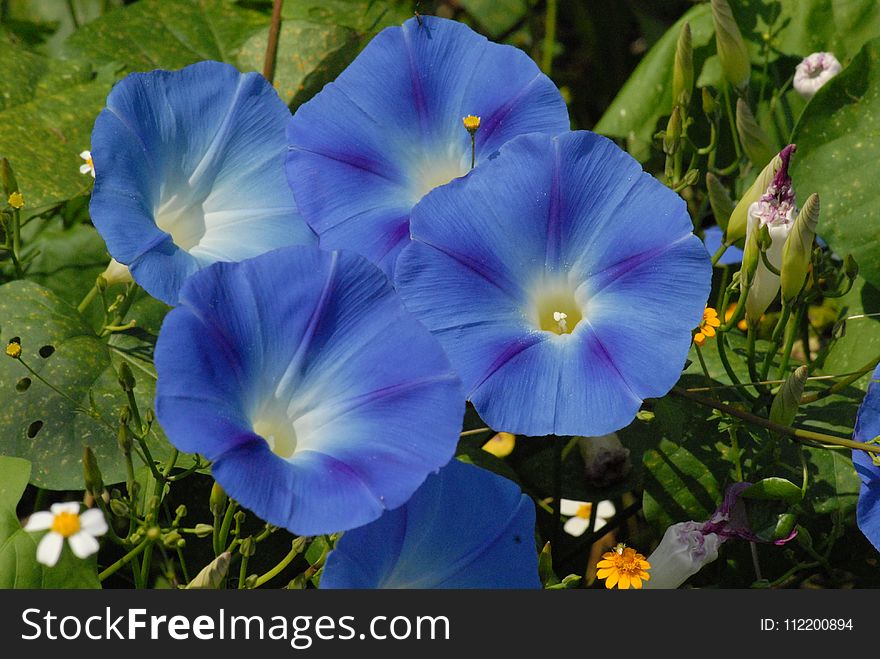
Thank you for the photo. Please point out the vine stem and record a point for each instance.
(125, 559)
(549, 38)
(272, 45)
(798, 434)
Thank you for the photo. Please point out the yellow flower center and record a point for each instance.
(16, 200)
(273, 425)
(584, 511)
(13, 349)
(556, 310)
(471, 123)
(66, 524)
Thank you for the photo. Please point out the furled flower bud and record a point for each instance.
(798, 251)
(736, 227)
(775, 211)
(606, 460)
(683, 70)
(788, 398)
(683, 551)
(217, 501)
(710, 105)
(731, 48)
(672, 136)
(116, 273)
(91, 473)
(755, 141)
(813, 72)
(213, 574)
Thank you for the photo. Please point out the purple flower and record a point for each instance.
(867, 464)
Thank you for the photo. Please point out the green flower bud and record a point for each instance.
(736, 227)
(672, 136)
(683, 71)
(248, 547)
(710, 105)
(788, 398)
(92, 474)
(850, 267)
(119, 508)
(798, 250)
(751, 256)
(732, 50)
(545, 567)
(126, 377)
(755, 141)
(171, 539)
(691, 177)
(217, 501)
(719, 200)
(203, 530)
(123, 438)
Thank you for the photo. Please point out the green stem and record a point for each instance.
(790, 334)
(87, 300)
(275, 571)
(125, 560)
(722, 355)
(71, 9)
(242, 571)
(227, 523)
(840, 386)
(798, 434)
(731, 117)
(475, 431)
(775, 340)
(719, 253)
(735, 453)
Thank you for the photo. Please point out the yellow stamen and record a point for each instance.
(471, 123)
(67, 524)
(16, 200)
(623, 567)
(13, 349)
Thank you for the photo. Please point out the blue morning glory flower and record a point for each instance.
(391, 127)
(867, 429)
(562, 281)
(189, 170)
(318, 398)
(464, 528)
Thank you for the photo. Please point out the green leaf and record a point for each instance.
(861, 342)
(834, 483)
(684, 473)
(44, 426)
(366, 17)
(309, 56)
(18, 549)
(496, 16)
(837, 158)
(774, 489)
(47, 108)
(647, 95)
(166, 34)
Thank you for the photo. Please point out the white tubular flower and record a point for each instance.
(116, 273)
(776, 210)
(579, 512)
(813, 72)
(62, 521)
(685, 548)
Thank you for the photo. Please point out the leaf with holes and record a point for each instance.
(18, 549)
(166, 34)
(50, 426)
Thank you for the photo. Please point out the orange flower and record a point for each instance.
(742, 324)
(707, 326)
(623, 567)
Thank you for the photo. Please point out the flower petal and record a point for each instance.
(314, 350)
(404, 98)
(92, 522)
(464, 528)
(187, 162)
(49, 549)
(83, 545)
(40, 521)
(71, 507)
(576, 526)
(569, 507)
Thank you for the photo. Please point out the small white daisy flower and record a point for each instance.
(813, 72)
(579, 512)
(62, 521)
(89, 166)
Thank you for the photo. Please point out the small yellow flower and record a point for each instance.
(501, 445)
(707, 326)
(471, 123)
(623, 567)
(13, 349)
(16, 200)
